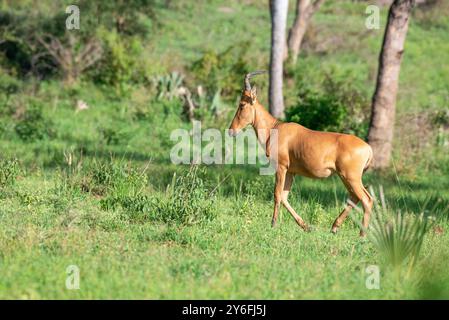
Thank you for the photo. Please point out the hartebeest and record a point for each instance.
(309, 153)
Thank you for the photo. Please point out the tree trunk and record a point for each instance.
(380, 135)
(304, 12)
(278, 10)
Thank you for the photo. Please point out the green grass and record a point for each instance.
(56, 212)
(235, 255)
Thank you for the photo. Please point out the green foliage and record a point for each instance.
(128, 21)
(440, 118)
(400, 237)
(33, 125)
(8, 86)
(113, 136)
(9, 170)
(167, 86)
(122, 186)
(120, 60)
(125, 17)
(115, 177)
(334, 105)
(222, 71)
(187, 201)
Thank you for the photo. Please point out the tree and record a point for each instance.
(380, 134)
(71, 58)
(278, 10)
(304, 12)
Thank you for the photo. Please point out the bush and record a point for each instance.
(222, 71)
(440, 118)
(33, 125)
(8, 86)
(22, 33)
(187, 201)
(120, 60)
(333, 104)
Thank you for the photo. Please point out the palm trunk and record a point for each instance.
(380, 135)
(278, 10)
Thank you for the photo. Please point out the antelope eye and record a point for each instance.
(242, 106)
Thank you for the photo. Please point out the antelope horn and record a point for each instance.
(249, 76)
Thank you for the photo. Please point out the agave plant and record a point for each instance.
(168, 85)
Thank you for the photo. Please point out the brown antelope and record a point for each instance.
(308, 153)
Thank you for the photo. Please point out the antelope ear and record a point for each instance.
(253, 95)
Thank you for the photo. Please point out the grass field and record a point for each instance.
(122, 254)
(99, 192)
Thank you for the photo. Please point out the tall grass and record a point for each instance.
(186, 201)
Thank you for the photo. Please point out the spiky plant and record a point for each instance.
(168, 85)
(399, 236)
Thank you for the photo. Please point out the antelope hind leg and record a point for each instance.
(343, 215)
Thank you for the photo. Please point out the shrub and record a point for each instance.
(120, 60)
(440, 118)
(28, 51)
(222, 71)
(8, 86)
(33, 125)
(187, 201)
(332, 105)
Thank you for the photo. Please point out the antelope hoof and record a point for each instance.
(362, 234)
(306, 228)
(334, 230)
(273, 223)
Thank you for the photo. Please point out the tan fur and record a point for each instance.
(308, 153)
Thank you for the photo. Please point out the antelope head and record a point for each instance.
(246, 110)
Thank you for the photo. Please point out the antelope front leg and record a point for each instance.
(278, 188)
(287, 188)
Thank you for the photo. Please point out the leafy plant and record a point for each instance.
(399, 237)
(440, 118)
(120, 59)
(167, 86)
(222, 71)
(333, 104)
(33, 125)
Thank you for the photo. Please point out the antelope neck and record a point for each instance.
(263, 122)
